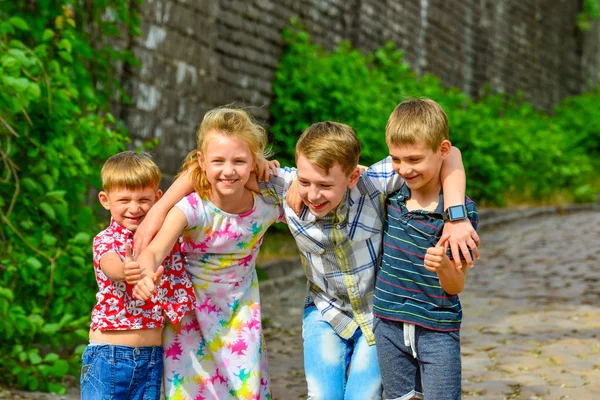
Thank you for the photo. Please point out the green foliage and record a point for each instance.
(57, 78)
(590, 11)
(509, 148)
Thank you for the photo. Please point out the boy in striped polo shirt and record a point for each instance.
(416, 306)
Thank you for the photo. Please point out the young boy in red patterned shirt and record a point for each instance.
(124, 358)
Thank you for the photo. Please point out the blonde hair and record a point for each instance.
(327, 143)
(416, 120)
(129, 170)
(230, 122)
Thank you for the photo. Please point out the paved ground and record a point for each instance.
(531, 316)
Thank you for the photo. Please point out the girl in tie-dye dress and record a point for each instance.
(218, 352)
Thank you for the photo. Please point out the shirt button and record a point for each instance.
(338, 226)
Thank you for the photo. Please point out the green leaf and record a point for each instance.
(19, 23)
(47, 181)
(33, 384)
(66, 45)
(56, 388)
(79, 261)
(49, 240)
(65, 56)
(47, 35)
(6, 293)
(48, 210)
(58, 194)
(51, 357)
(50, 328)
(82, 237)
(59, 369)
(34, 263)
(34, 356)
(20, 55)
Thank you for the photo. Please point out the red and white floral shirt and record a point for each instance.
(117, 310)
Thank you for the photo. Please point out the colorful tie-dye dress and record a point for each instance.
(218, 351)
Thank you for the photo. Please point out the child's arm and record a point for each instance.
(118, 270)
(156, 216)
(452, 279)
(158, 250)
(461, 235)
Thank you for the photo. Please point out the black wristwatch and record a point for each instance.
(455, 213)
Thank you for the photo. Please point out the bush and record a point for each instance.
(510, 149)
(55, 133)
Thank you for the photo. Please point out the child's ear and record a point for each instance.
(159, 194)
(445, 147)
(354, 175)
(103, 197)
(200, 159)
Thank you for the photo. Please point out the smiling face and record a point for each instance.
(323, 191)
(128, 207)
(227, 163)
(419, 165)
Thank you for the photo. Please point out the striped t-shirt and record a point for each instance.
(404, 290)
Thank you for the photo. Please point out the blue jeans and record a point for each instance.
(436, 371)
(337, 368)
(121, 372)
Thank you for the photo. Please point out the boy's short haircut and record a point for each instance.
(327, 143)
(415, 120)
(130, 170)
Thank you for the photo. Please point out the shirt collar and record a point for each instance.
(117, 227)
(340, 213)
(404, 193)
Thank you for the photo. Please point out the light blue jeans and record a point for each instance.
(336, 368)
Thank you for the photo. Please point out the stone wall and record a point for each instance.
(198, 54)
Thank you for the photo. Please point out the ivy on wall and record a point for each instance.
(57, 78)
(590, 12)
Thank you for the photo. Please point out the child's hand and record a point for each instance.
(144, 288)
(434, 258)
(131, 268)
(461, 236)
(293, 198)
(264, 168)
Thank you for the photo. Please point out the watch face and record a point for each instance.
(456, 212)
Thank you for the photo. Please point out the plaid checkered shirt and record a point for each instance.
(340, 252)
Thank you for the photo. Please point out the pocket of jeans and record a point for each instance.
(455, 335)
(84, 371)
(87, 359)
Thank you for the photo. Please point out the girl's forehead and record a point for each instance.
(223, 144)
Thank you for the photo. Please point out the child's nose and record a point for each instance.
(229, 169)
(405, 170)
(313, 193)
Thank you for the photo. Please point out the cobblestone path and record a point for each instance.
(531, 315)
